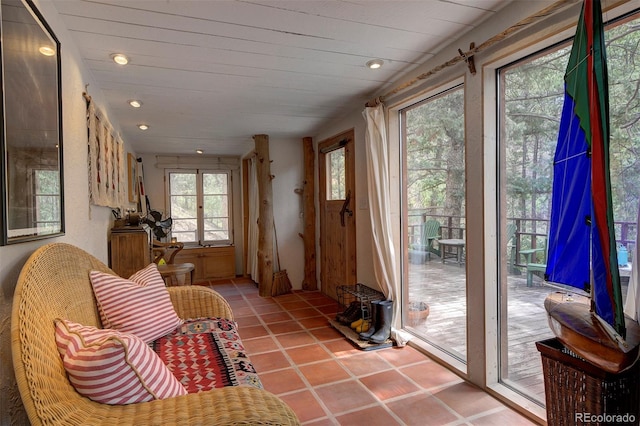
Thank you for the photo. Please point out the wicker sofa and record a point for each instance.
(54, 283)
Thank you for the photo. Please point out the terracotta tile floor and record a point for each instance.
(327, 381)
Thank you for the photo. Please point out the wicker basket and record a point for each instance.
(579, 393)
(417, 313)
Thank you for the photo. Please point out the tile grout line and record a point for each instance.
(311, 388)
(353, 377)
(240, 289)
(294, 366)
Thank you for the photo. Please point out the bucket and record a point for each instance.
(623, 258)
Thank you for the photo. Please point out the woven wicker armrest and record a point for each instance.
(199, 302)
(226, 406)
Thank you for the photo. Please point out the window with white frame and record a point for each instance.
(433, 183)
(199, 203)
(46, 196)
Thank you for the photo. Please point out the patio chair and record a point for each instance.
(534, 266)
(430, 231)
(511, 246)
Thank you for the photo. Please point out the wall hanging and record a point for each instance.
(107, 182)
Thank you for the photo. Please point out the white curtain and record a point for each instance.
(252, 240)
(377, 154)
(632, 304)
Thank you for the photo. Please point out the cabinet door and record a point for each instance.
(129, 252)
(219, 263)
(210, 262)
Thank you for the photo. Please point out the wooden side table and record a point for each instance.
(171, 273)
(456, 243)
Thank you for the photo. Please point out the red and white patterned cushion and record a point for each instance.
(111, 367)
(140, 305)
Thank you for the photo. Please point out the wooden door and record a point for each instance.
(337, 212)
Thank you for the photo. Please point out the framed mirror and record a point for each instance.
(31, 131)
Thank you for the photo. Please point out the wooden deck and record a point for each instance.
(442, 286)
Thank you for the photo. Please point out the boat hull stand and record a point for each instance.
(578, 329)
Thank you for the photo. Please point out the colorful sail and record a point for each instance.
(582, 245)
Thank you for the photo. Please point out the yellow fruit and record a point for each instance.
(357, 323)
(362, 327)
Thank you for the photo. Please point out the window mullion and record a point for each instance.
(200, 197)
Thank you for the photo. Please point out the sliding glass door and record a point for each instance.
(435, 297)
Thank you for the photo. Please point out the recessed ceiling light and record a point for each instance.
(120, 59)
(47, 51)
(375, 63)
(199, 151)
(143, 126)
(135, 103)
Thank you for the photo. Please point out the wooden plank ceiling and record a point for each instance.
(212, 73)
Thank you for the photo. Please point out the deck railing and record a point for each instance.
(530, 233)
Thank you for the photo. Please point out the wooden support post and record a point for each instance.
(265, 220)
(310, 281)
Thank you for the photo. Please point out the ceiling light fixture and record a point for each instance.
(120, 59)
(199, 151)
(374, 64)
(47, 51)
(143, 126)
(135, 103)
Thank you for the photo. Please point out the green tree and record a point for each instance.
(533, 92)
(435, 155)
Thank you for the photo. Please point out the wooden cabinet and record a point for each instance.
(211, 263)
(128, 250)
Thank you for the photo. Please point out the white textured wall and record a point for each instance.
(288, 168)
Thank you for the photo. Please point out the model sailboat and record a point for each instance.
(582, 245)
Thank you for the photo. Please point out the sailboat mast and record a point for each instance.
(605, 259)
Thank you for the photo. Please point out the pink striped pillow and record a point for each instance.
(140, 305)
(111, 367)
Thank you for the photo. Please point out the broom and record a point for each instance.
(281, 282)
